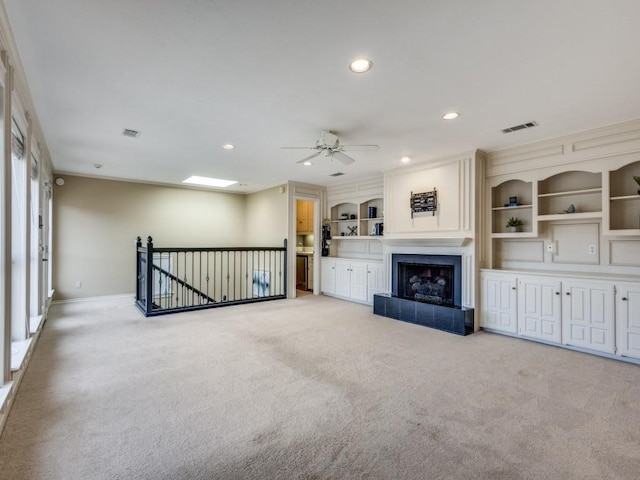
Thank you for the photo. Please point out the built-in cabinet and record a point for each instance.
(539, 308)
(356, 280)
(500, 309)
(628, 319)
(304, 216)
(595, 315)
(588, 314)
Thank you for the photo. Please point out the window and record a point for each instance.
(18, 234)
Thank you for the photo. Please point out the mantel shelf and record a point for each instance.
(569, 216)
(426, 242)
(570, 192)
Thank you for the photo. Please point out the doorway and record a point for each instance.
(306, 245)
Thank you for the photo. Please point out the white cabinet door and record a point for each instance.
(628, 320)
(499, 302)
(539, 308)
(588, 315)
(328, 275)
(375, 280)
(358, 273)
(343, 278)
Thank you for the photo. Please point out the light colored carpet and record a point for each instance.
(311, 388)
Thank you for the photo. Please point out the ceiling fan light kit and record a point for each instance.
(329, 145)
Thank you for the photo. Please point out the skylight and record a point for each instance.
(209, 182)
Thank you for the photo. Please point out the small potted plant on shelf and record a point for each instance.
(514, 224)
(637, 179)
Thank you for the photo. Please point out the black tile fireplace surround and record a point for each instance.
(426, 290)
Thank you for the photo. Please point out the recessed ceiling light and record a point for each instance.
(97, 165)
(361, 65)
(405, 159)
(209, 182)
(451, 115)
(228, 146)
(307, 163)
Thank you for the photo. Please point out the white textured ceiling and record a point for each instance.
(192, 75)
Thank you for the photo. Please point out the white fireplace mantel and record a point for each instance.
(433, 241)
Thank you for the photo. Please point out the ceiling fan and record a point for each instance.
(329, 145)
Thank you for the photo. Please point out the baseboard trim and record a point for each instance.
(94, 299)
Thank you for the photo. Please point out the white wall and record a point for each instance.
(96, 222)
(266, 218)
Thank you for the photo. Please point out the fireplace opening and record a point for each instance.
(435, 279)
(426, 283)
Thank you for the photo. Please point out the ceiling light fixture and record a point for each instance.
(405, 159)
(209, 182)
(228, 146)
(451, 115)
(307, 163)
(361, 65)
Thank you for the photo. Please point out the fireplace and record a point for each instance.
(426, 290)
(435, 279)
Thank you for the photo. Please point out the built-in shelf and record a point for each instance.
(503, 196)
(513, 207)
(364, 224)
(626, 197)
(514, 235)
(571, 192)
(356, 237)
(569, 216)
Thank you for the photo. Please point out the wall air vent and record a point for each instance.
(127, 132)
(519, 127)
(337, 174)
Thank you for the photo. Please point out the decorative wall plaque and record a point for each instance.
(426, 202)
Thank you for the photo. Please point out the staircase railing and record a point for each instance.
(177, 279)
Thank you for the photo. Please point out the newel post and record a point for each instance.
(138, 272)
(149, 275)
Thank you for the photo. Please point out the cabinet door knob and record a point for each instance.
(558, 293)
(567, 293)
(513, 288)
(624, 299)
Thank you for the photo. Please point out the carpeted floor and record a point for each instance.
(311, 388)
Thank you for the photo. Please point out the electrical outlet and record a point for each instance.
(592, 250)
(78, 284)
(551, 247)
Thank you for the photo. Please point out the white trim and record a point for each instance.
(94, 299)
(35, 322)
(19, 351)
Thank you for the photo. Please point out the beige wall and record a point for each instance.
(96, 223)
(266, 218)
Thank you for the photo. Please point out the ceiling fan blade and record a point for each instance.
(298, 148)
(346, 159)
(361, 147)
(306, 159)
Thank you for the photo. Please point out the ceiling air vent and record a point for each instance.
(520, 127)
(127, 132)
(336, 174)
